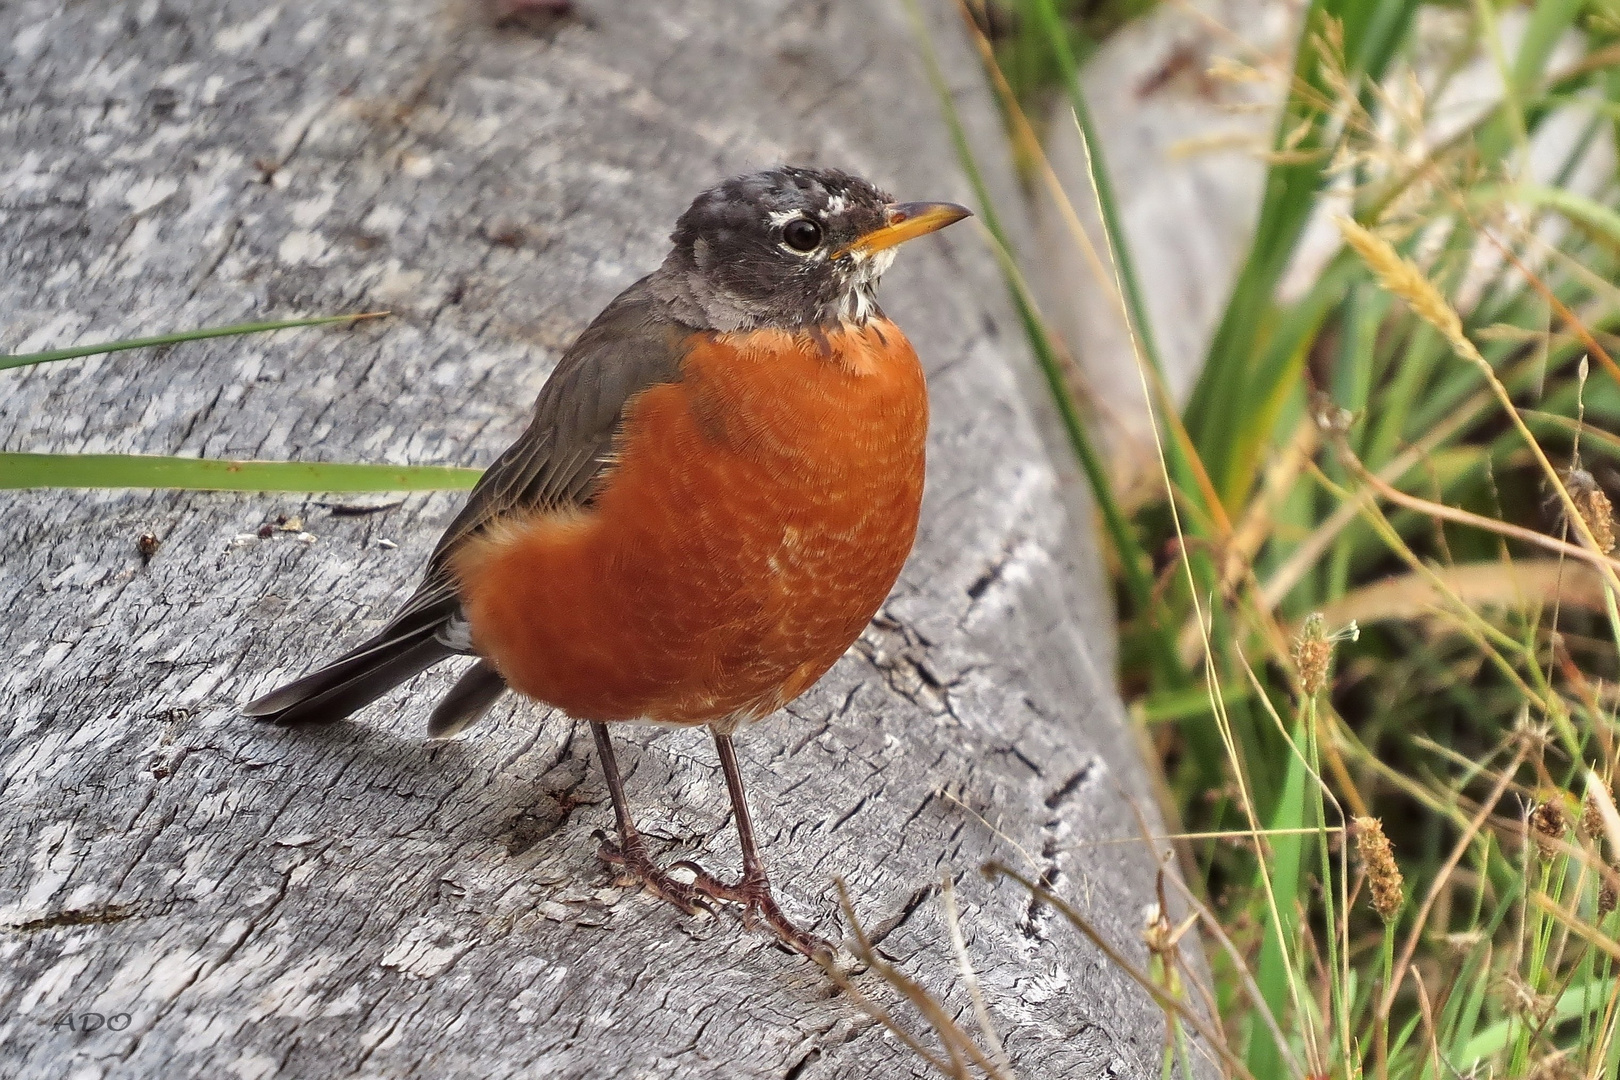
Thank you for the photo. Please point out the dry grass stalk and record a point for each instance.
(1581, 928)
(1305, 556)
(1172, 1007)
(960, 1050)
(1587, 554)
(1438, 885)
(1521, 585)
(970, 979)
(1429, 1026)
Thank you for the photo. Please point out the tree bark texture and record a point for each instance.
(241, 901)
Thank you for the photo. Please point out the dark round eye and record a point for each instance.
(802, 234)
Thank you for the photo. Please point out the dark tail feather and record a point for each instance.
(352, 681)
(467, 701)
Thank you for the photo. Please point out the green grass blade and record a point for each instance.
(204, 474)
(1275, 972)
(1217, 414)
(1549, 21)
(1128, 549)
(1051, 23)
(1178, 458)
(1187, 704)
(25, 359)
(1509, 128)
(1571, 204)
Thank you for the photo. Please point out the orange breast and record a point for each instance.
(758, 515)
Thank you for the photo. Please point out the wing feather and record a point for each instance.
(556, 462)
(560, 456)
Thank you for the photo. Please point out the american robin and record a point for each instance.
(716, 493)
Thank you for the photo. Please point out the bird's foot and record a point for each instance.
(636, 864)
(753, 892)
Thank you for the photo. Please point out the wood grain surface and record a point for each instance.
(242, 901)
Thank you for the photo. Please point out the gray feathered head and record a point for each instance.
(790, 247)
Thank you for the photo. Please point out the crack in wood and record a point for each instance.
(97, 916)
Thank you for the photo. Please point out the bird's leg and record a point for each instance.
(630, 852)
(754, 890)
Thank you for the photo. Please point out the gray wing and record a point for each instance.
(556, 462)
(558, 459)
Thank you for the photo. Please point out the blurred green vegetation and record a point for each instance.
(1347, 451)
(1021, 37)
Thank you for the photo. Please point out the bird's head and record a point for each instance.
(790, 247)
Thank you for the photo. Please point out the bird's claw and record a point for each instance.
(636, 864)
(753, 892)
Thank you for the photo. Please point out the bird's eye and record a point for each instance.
(802, 234)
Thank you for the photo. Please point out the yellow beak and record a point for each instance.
(906, 221)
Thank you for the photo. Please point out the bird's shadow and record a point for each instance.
(515, 806)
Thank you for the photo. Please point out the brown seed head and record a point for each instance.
(1608, 897)
(1157, 933)
(1383, 875)
(1558, 1065)
(1312, 652)
(1591, 818)
(1548, 824)
(1523, 1000)
(1596, 511)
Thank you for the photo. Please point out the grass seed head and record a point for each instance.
(1594, 507)
(1548, 823)
(1312, 651)
(1406, 281)
(1608, 897)
(1523, 1000)
(1157, 932)
(1558, 1065)
(1228, 69)
(1591, 818)
(1383, 875)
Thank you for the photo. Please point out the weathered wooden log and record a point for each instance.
(187, 893)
